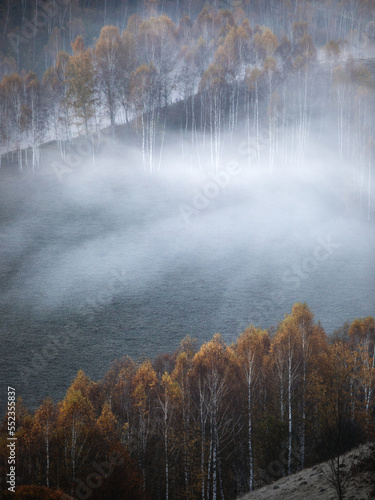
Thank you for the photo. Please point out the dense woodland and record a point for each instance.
(263, 71)
(209, 422)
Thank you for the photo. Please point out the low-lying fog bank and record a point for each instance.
(111, 261)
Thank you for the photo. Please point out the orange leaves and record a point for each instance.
(142, 87)
(80, 76)
(157, 40)
(213, 78)
(78, 46)
(170, 387)
(108, 51)
(144, 383)
(213, 355)
(252, 346)
(362, 332)
(265, 42)
(213, 411)
(108, 425)
(45, 418)
(76, 406)
(253, 77)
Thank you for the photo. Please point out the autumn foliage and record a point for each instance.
(245, 69)
(208, 422)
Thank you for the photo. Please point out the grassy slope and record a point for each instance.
(311, 484)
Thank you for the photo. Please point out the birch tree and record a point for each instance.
(11, 91)
(250, 349)
(182, 376)
(45, 429)
(213, 89)
(108, 63)
(76, 423)
(81, 95)
(211, 367)
(144, 393)
(144, 97)
(285, 352)
(36, 116)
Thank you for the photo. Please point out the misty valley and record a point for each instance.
(187, 271)
(114, 262)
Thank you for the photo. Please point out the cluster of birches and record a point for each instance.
(209, 422)
(229, 72)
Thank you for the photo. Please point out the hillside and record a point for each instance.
(313, 484)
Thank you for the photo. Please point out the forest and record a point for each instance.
(206, 422)
(267, 72)
(263, 79)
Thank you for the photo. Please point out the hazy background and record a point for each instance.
(104, 264)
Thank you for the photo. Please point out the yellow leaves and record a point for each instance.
(362, 331)
(81, 383)
(269, 42)
(205, 17)
(144, 383)
(213, 78)
(253, 76)
(126, 372)
(11, 84)
(188, 346)
(252, 340)
(251, 352)
(107, 424)
(305, 48)
(44, 424)
(142, 86)
(221, 58)
(170, 389)
(45, 417)
(266, 42)
(158, 31)
(213, 355)
(108, 48)
(78, 46)
(76, 405)
(302, 313)
(184, 359)
(134, 24)
(270, 64)
(80, 79)
(109, 34)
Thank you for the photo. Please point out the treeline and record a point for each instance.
(210, 422)
(212, 76)
(34, 31)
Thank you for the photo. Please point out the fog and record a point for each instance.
(111, 261)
